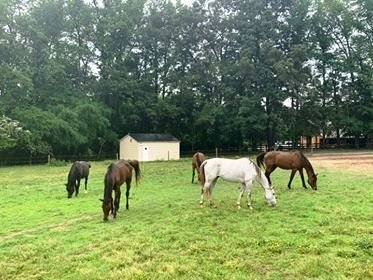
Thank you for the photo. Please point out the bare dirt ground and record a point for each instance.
(351, 162)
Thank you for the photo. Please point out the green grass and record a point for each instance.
(326, 234)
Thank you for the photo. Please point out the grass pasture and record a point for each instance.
(326, 234)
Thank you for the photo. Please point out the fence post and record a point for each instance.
(49, 159)
(216, 152)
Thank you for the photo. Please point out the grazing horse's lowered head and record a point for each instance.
(78, 171)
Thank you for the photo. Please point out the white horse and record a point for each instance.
(241, 170)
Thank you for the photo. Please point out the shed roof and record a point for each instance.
(153, 137)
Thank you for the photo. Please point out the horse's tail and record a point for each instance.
(260, 159)
(199, 161)
(202, 173)
(136, 165)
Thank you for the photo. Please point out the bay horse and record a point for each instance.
(78, 171)
(197, 160)
(294, 160)
(241, 170)
(117, 173)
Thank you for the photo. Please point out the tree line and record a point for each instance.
(75, 76)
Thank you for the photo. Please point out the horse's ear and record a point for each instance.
(66, 184)
(317, 174)
(100, 199)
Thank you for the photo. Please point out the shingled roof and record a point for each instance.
(153, 137)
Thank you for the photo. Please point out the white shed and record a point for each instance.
(149, 147)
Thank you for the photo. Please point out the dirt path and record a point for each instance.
(356, 162)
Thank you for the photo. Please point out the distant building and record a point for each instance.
(310, 142)
(149, 147)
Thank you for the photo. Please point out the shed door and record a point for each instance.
(145, 153)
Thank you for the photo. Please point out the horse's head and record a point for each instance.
(69, 189)
(106, 207)
(312, 181)
(270, 197)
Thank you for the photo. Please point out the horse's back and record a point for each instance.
(282, 159)
(83, 168)
(236, 170)
(122, 171)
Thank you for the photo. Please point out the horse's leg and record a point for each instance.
(193, 174)
(268, 172)
(128, 194)
(112, 205)
(302, 177)
(77, 187)
(246, 187)
(249, 198)
(116, 202)
(212, 186)
(85, 184)
(205, 190)
(242, 190)
(291, 178)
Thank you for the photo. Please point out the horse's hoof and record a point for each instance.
(238, 207)
(250, 207)
(85, 191)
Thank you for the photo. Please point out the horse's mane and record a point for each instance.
(72, 174)
(108, 182)
(307, 163)
(257, 169)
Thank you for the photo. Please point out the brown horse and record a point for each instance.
(118, 173)
(294, 160)
(197, 160)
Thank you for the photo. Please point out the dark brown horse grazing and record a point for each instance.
(294, 160)
(197, 160)
(118, 173)
(78, 171)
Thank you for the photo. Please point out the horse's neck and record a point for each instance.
(108, 187)
(261, 178)
(72, 174)
(308, 167)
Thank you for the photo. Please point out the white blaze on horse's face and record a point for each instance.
(271, 199)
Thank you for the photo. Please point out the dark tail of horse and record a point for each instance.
(260, 159)
(136, 165)
(202, 172)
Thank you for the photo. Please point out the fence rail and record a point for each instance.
(218, 152)
(47, 159)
